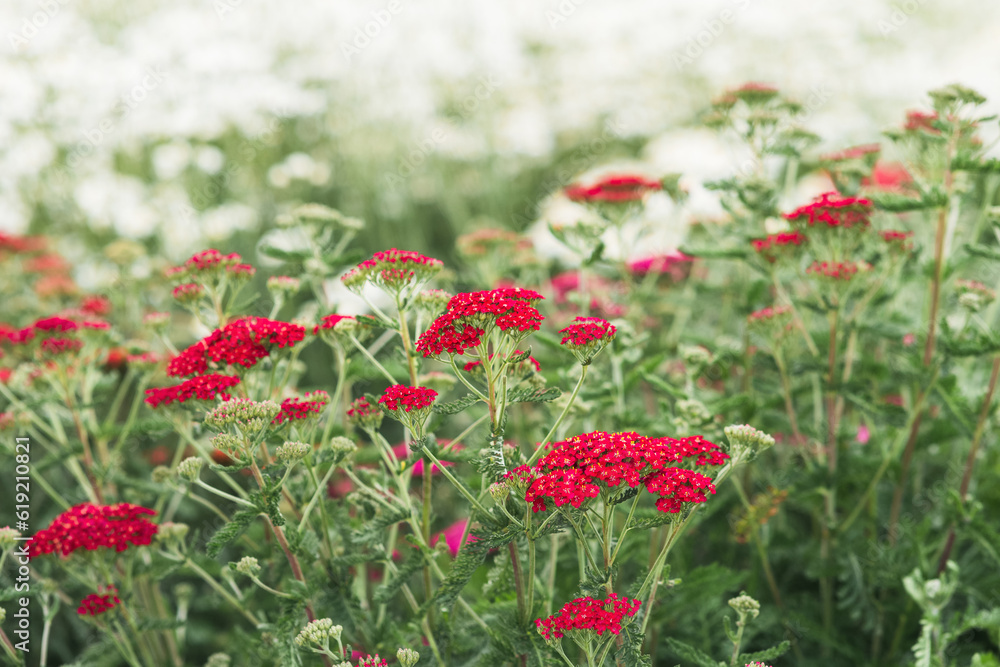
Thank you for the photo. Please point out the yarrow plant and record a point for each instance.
(600, 442)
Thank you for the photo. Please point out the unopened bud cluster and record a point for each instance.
(249, 566)
(407, 657)
(189, 468)
(249, 416)
(319, 632)
(218, 660)
(292, 451)
(342, 445)
(8, 537)
(745, 606)
(747, 438)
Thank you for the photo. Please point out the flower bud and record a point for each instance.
(407, 657)
(745, 606)
(249, 566)
(170, 533)
(189, 468)
(748, 438)
(499, 491)
(292, 451)
(8, 537)
(218, 660)
(342, 445)
(319, 632)
(156, 321)
(3, 614)
(249, 416)
(283, 286)
(433, 301)
(695, 356)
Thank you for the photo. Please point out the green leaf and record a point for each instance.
(980, 250)
(896, 203)
(232, 530)
(766, 655)
(717, 253)
(413, 561)
(454, 407)
(690, 653)
(532, 395)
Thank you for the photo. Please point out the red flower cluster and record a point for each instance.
(330, 321)
(888, 177)
(91, 527)
(53, 344)
(588, 331)
(95, 604)
(585, 614)
(833, 210)
(835, 270)
(575, 469)
(768, 313)
(203, 387)
(208, 261)
(242, 342)
(676, 264)
(775, 243)
(21, 244)
(470, 316)
(400, 397)
(614, 188)
(188, 292)
(372, 661)
(302, 408)
(392, 269)
(920, 121)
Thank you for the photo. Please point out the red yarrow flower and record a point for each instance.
(836, 270)
(372, 661)
(580, 468)
(297, 409)
(400, 397)
(675, 264)
(774, 245)
(203, 387)
(91, 527)
(589, 615)
(852, 153)
(769, 313)
(392, 270)
(330, 322)
(587, 337)
(96, 604)
(472, 316)
(613, 188)
(242, 342)
(833, 210)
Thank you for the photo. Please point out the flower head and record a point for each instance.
(297, 409)
(587, 337)
(202, 387)
(837, 270)
(95, 603)
(832, 210)
(242, 342)
(471, 317)
(613, 188)
(393, 270)
(580, 468)
(774, 246)
(90, 527)
(589, 615)
(364, 414)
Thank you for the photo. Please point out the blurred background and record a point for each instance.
(189, 123)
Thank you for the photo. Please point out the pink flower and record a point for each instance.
(401, 452)
(453, 536)
(863, 434)
(909, 339)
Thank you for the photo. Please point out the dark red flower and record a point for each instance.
(95, 604)
(589, 614)
(203, 387)
(833, 210)
(242, 342)
(472, 316)
(400, 397)
(614, 188)
(92, 527)
(302, 408)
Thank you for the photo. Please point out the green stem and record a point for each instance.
(562, 415)
(372, 359)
